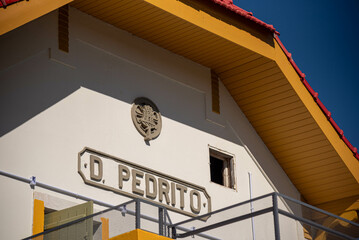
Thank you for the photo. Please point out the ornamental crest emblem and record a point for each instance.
(147, 118)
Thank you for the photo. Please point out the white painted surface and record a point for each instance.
(16, 209)
(53, 104)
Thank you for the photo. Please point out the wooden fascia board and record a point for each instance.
(215, 26)
(23, 12)
(293, 78)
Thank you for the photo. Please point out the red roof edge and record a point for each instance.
(228, 4)
(5, 3)
(317, 100)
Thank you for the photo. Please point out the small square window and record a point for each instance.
(222, 168)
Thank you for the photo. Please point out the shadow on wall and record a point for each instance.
(30, 87)
(38, 82)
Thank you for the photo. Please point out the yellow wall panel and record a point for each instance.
(139, 234)
(38, 218)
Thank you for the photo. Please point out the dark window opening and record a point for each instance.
(216, 170)
(222, 169)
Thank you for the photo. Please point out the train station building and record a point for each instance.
(160, 119)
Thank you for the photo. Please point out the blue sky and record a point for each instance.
(323, 37)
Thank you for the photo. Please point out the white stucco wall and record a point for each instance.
(53, 104)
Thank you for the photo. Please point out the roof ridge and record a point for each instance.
(228, 4)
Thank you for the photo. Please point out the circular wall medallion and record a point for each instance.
(146, 117)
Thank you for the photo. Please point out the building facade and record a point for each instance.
(192, 105)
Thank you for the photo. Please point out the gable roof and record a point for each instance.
(228, 4)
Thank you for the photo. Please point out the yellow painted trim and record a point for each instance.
(105, 229)
(38, 218)
(351, 215)
(306, 234)
(23, 12)
(351, 212)
(216, 26)
(341, 148)
(139, 234)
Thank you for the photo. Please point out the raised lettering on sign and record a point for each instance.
(131, 180)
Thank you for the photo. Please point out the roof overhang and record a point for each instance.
(22, 12)
(256, 70)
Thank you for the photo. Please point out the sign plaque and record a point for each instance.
(128, 179)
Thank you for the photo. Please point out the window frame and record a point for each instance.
(229, 160)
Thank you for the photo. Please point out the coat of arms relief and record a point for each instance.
(146, 118)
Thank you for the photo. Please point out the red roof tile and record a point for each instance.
(228, 4)
(5, 3)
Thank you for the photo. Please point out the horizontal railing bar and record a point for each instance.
(317, 209)
(55, 189)
(226, 222)
(150, 203)
(198, 234)
(222, 209)
(316, 225)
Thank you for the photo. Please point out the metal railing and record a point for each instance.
(316, 221)
(274, 205)
(323, 222)
(163, 227)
